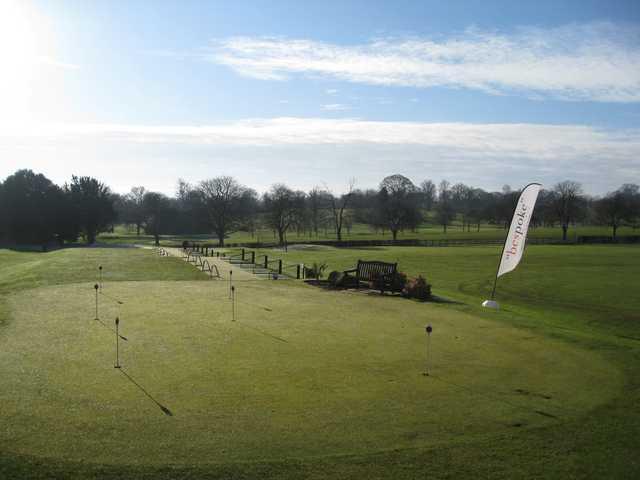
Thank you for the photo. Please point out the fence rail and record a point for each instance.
(414, 242)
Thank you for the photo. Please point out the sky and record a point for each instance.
(488, 93)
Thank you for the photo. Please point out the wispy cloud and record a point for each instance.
(331, 91)
(332, 107)
(591, 62)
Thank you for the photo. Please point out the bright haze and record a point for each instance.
(315, 93)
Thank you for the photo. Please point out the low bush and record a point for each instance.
(398, 281)
(395, 283)
(335, 278)
(316, 271)
(417, 288)
(342, 280)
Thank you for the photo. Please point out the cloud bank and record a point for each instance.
(515, 139)
(578, 62)
(305, 151)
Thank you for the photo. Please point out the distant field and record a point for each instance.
(313, 383)
(363, 232)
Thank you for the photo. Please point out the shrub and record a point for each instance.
(417, 288)
(341, 280)
(396, 283)
(316, 271)
(334, 278)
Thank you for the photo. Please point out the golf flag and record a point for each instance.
(514, 244)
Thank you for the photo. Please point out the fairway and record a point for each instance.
(301, 373)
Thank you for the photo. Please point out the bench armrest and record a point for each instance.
(353, 270)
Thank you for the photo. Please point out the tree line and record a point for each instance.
(35, 210)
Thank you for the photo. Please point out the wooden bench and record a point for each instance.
(372, 271)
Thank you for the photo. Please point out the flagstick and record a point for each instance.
(233, 303)
(230, 283)
(428, 330)
(100, 268)
(96, 288)
(117, 365)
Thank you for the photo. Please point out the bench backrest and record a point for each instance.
(368, 270)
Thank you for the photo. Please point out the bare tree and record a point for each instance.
(477, 210)
(568, 203)
(428, 190)
(183, 190)
(136, 209)
(618, 207)
(398, 205)
(339, 207)
(317, 201)
(462, 197)
(444, 212)
(283, 208)
(156, 208)
(631, 192)
(93, 206)
(224, 200)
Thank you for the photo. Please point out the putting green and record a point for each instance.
(302, 372)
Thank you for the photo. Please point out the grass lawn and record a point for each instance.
(363, 232)
(313, 383)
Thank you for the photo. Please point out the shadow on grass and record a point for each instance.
(119, 302)
(324, 284)
(437, 299)
(112, 330)
(164, 409)
(266, 334)
(499, 397)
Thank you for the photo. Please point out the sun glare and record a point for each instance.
(24, 48)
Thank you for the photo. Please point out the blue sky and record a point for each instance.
(487, 93)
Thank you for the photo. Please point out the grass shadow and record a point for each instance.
(164, 409)
(437, 299)
(112, 330)
(266, 334)
(119, 302)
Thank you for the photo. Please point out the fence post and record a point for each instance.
(266, 261)
(253, 257)
(280, 266)
(298, 272)
(243, 254)
(206, 251)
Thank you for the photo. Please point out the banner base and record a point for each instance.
(491, 304)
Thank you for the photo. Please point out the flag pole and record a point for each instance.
(495, 280)
(491, 303)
